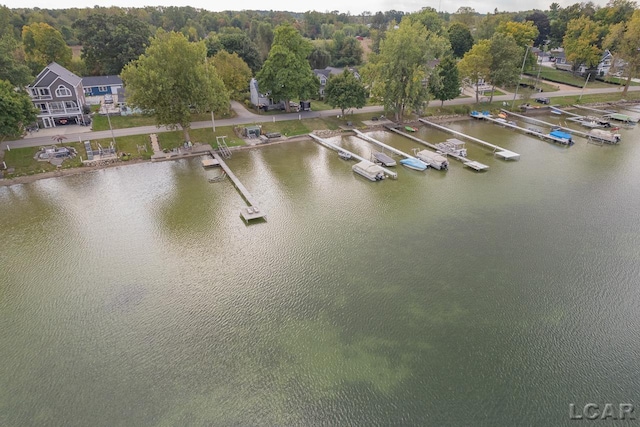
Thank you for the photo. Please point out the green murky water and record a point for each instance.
(137, 296)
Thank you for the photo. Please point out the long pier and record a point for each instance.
(533, 132)
(597, 110)
(383, 145)
(337, 148)
(497, 150)
(465, 161)
(250, 212)
(586, 135)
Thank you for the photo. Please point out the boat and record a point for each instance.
(452, 146)
(344, 155)
(562, 137)
(415, 164)
(435, 160)
(369, 170)
(410, 129)
(604, 136)
(476, 114)
(621, 118)
(383, 159)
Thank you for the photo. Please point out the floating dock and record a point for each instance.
(209, 163)
(383, 145)
(466, 162)
(498, 151)
(252, 211)
(337, 148)
(587, 135)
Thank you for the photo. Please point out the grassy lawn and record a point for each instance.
(135, 120)
(171, 140)
(129, 145)
(562, 76)
(21, 159)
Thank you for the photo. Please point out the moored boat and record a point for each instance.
(452, 146)
(435, 160)
(604, 136)
(344, 155)
(369, 170)
(410, 129)
(415, 164)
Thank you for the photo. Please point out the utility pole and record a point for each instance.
(113, 138)
(515, 95)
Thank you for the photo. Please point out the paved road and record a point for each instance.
(243, 116)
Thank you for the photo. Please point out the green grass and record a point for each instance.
(566, 77)
(21, 159)
(174, 139)
(135, 120)
(128, 145)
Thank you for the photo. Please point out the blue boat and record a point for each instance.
(563, 136)
(416, 164)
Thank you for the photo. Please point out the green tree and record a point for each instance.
(581, 42)
(235, 41)
(286, 73)
(12, 66)
(43, 45)
(233, 71)
(505, 56)
(397, 74)
(444, 82)
(475, 65)
(172, 78)
(460, 39)
(542, 23)
(524, 33)
(16, 110)
(623, 40)
(345, 50)
(109, 42)
(345, 91)
(320, 57)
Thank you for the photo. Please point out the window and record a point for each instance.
(43, 91)
(70, 105)
(42, 107)
(102, 88)
(56, 107)
(87, 91)
(63, 91)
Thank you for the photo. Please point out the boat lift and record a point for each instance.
(466, 162)
(337, 148)
(498, 151)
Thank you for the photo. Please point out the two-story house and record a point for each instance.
(58, 96)
(324, 74)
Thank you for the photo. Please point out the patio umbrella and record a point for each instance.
(59, 139)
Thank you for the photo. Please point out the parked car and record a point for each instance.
(543, 100)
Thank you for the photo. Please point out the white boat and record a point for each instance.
(414, 164)
(604, 136)
(369, 170)
(344, 155)
(435, 160)
(452, 146)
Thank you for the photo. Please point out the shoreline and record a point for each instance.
(27, 179)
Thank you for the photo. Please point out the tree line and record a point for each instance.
(413, 56)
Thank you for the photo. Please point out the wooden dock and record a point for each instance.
(465, 161)
(337, 148)
(252, 211)
(597, 110)
(497, 150)
(383, 145)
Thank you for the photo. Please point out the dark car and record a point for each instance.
(543, 100)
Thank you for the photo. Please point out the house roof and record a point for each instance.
(91, 81)
(51, 72)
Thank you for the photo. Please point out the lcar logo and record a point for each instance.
(604, 411)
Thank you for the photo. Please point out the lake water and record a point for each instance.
(137, 296)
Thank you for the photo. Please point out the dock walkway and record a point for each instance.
(497, 150)
(383, 145)
(252, 211)
(527, 131)
(465, 161)
(337, 148)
